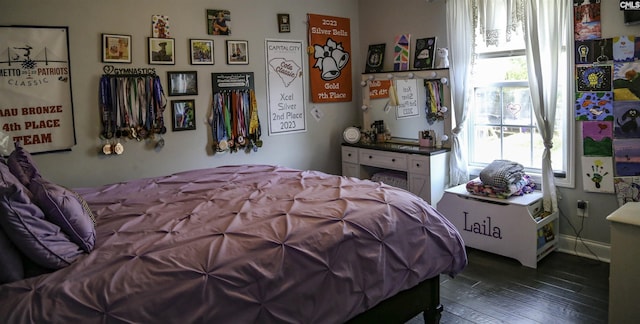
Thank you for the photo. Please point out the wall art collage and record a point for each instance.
(607, 105)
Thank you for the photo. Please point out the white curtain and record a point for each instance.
(499, 21)
(461, 39)
(547, 34)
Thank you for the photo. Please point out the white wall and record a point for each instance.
(254, 21)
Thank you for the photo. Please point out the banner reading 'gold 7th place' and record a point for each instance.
(329, 58)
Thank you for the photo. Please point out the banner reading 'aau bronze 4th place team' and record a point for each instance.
(329, 58)
(35, 88)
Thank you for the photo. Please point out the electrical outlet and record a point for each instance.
(583, 208)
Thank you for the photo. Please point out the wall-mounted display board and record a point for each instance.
(403, 118)
(234, 121)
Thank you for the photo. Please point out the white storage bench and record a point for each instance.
(510, 227)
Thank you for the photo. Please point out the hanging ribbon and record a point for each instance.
(255, 130)
(226, 114)
(160, 103)
(433, 98)
(106, 108)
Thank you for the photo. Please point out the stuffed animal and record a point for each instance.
(443, 57)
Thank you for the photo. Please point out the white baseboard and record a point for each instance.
(585, 248)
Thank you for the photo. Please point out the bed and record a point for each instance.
(245, 244)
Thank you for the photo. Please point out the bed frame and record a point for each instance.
(425, 298)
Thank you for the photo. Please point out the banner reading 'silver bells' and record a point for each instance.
(329, 58)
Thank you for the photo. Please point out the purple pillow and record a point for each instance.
(66, 209)
(11, 267)
(22, 165)
(40, 240)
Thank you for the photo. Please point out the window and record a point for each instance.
(502, 123)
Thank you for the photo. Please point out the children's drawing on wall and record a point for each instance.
(624, 48)
(597, 174)
(401, 52)
(594, 51)
(593, 77)
(603, 50)
(597, 138)
(627, 117)
(584, 52)
(586, 20)
(160, 26)
(627, 157)
(594, 105)
(627, 189)
(626, 81)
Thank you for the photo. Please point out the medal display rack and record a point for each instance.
(234, 121)
(131, 108)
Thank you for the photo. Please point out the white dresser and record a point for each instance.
(426, 169)
(624, 286)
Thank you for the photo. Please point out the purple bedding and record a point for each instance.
(241, 244)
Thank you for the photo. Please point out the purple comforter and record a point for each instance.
(242, 244)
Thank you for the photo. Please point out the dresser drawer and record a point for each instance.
(383, 159)
(350, 154)
(419, 164)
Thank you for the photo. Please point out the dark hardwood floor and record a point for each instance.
(495, 289)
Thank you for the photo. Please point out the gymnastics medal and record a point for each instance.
(223, 145)
(106, 149)
(118, 148)
(240, 140)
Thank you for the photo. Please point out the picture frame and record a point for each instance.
(201, 52)
(284, 23)
(162, 50)
(116, 48)
(237, 52)
(183, 114)
(218, 22)
(182, 83)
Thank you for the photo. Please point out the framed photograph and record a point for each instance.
(116, 48)
(183, 114)
(284, 24)
(237, 52)
(183, 83)
(218, 22)
(161, 50)
(201, 51)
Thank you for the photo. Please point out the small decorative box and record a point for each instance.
(425, 142)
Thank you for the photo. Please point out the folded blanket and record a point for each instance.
(502, 173)
(524, 186)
